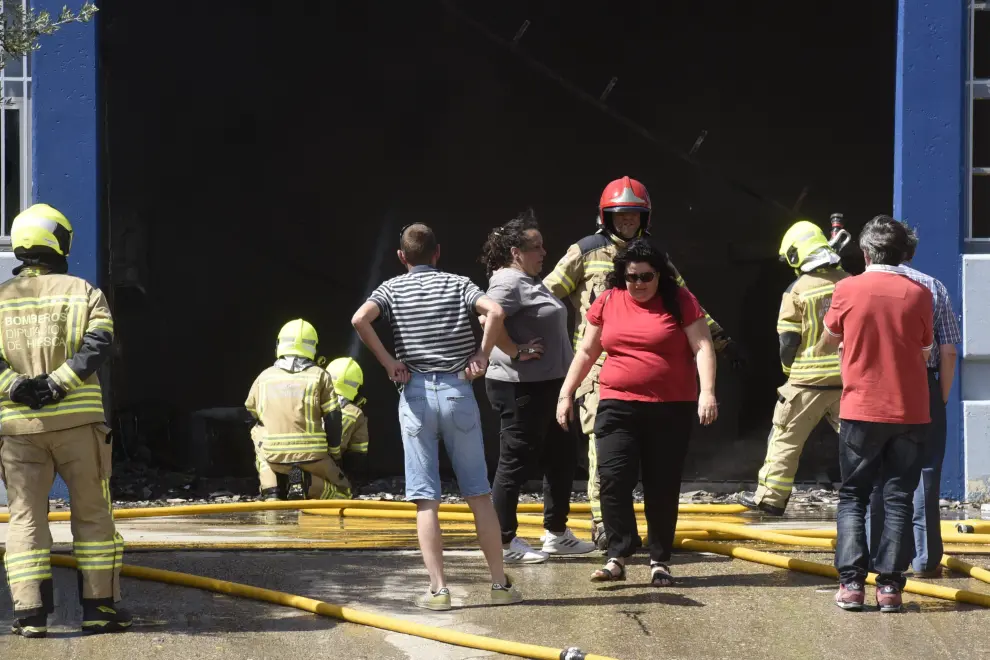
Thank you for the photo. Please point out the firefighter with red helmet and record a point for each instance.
(623, 215)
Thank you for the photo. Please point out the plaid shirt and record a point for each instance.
(944, 323)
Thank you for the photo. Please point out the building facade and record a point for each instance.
(52, 132)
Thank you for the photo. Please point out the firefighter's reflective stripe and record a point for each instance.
(348, 420)
(335, 453)
(100, 324)
(559, 278)
(592, 266)
(25, 566)
(66, 377)
(786, 326)
(38, 302)
(295, 442)
(7, 378)
(85, 399)
(96, 555)
(358, 447)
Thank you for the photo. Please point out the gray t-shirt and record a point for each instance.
(531, 311)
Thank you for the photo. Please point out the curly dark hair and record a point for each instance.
(642, 251)
(497, 251)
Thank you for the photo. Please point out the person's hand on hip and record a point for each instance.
(397, 371)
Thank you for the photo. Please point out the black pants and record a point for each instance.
(868, 452)
(529, 435)
(654, 436)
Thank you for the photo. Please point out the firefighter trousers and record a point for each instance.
(587, 410)
(798, 411)
(266, 477)
(82, 456)
(328, 481)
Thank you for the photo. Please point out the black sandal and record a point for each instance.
(660, 575)
(605, 573)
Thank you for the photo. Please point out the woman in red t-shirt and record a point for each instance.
(656, 338)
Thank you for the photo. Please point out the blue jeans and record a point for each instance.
(434, 406)
(868, 452)
(923, 538)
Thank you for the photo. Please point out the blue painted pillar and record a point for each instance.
(929, 162)
(65, 145)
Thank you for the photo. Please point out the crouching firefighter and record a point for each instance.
(347, 378)
(299, 419)
(814, 384)
(58, 332)
(624, 213)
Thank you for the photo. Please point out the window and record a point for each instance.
(15, 137)
(977, 183)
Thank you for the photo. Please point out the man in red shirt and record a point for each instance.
(883, 320)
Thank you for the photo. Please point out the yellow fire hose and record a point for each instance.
(444, 635)
(246, 507)
(967, 526)
(691, 535)
(824, 570)
(961, 566)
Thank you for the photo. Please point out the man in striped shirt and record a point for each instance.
(925, 535)
(436, 358)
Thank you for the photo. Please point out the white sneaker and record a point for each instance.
(566, 544)
(520, 552)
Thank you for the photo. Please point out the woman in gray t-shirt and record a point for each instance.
(524, 376)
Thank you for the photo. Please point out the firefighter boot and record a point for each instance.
(100, 615)
(33, 625)
(298, 484)
(271, 495)
(748, 500)
(598, 536)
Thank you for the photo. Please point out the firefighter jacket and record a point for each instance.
(291, 399)
(580, 278)
(354, 433)
(58, 325)
(800, 326)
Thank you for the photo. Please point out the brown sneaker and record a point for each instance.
(850, 596)
(889, 598)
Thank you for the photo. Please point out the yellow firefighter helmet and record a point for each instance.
(347, 377)
(805, 247)
(41, 228)
(297, 338)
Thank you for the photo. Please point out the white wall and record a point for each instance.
(976, 375)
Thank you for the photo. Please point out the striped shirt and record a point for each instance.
(429, 311)
(944, 319)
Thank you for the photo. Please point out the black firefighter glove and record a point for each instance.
(23, 391)
(735, 355)
(46, 390)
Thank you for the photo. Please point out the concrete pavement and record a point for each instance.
(720, 608)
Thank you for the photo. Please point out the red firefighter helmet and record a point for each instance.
(624, 194)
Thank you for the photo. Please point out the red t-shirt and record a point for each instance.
(885, 320)
(649, 357)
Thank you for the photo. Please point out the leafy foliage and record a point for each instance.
(21, 28)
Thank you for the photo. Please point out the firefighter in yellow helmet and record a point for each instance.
(814, 384)
(57, 333)
(624, 213)
(352, 453)
(299, 417)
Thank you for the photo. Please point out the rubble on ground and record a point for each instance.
(139, 486)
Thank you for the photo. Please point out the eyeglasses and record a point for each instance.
(402, 232)
(640, 277)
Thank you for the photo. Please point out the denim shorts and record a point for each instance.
(434, 406)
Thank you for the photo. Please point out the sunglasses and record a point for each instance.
(640, 277)
(402, 232)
